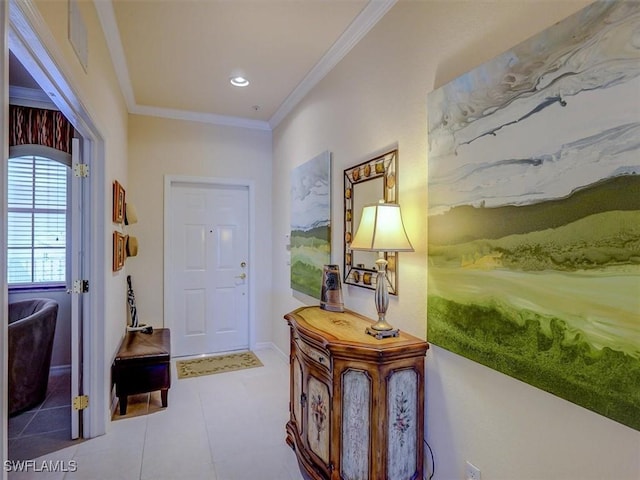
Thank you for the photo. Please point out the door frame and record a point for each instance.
(4, 149)
(31, 41)
(169, 182)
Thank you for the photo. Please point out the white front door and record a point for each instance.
(208, 254)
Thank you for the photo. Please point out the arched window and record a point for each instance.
(37, 217)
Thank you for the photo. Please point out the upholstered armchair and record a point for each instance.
(32, 325)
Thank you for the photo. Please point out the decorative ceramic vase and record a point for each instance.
(331, 295)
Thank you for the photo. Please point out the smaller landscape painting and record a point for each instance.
(310, 224)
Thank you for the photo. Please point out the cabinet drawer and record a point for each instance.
(316, 355)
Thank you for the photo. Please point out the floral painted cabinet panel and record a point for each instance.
(296, 392)
(318, 419)
(402, 408)
(357, 403)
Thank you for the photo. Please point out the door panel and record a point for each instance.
(209, 252)
(190, 268)
(195, 259)
(75, 244)
(194, 312)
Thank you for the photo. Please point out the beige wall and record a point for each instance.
(375, 98)
(159, 147)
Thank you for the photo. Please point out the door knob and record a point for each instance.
(242, 276)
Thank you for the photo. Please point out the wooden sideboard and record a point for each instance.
(357, 403)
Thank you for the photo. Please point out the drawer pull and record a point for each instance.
(315, 354)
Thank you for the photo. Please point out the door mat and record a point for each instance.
(216, 364)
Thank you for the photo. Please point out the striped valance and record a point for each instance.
(36, 126)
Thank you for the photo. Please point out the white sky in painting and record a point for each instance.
(310, 193)
(524, 147)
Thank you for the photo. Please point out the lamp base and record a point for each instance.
(380, 334)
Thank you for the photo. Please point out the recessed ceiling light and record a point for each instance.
(239, 81)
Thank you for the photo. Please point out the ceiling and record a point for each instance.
(174, 58)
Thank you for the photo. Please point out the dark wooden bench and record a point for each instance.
(143, 364)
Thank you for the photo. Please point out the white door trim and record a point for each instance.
(74, 256)
(34, 45)
(169, 181)
(4, 151)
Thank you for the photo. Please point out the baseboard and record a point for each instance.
(263, 346)
(272, 346)
(60, 368)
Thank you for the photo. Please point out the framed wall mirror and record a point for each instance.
(367, 183)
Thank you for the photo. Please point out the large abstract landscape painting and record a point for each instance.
(310, 224)
(534, 212)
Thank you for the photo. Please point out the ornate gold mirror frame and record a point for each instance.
(365, 184)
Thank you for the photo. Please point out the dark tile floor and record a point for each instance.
(47, 426)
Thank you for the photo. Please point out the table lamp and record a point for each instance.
(381, 230)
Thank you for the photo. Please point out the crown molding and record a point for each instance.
(365, 21)
(212, 118)
(107, 18)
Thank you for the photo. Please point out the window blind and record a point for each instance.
(37, 221)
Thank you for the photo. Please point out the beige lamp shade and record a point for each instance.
(381, 230)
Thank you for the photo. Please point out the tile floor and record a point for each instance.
(228, 426)
(46, 427)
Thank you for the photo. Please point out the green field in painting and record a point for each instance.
(557, 361)
(310, 251)
(600, 240)
(546, 293)
(466, 223)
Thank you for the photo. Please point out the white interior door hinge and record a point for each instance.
(80, 402)
(79, 286)
(81, 170)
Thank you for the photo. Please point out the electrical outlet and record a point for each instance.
(471, 472)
